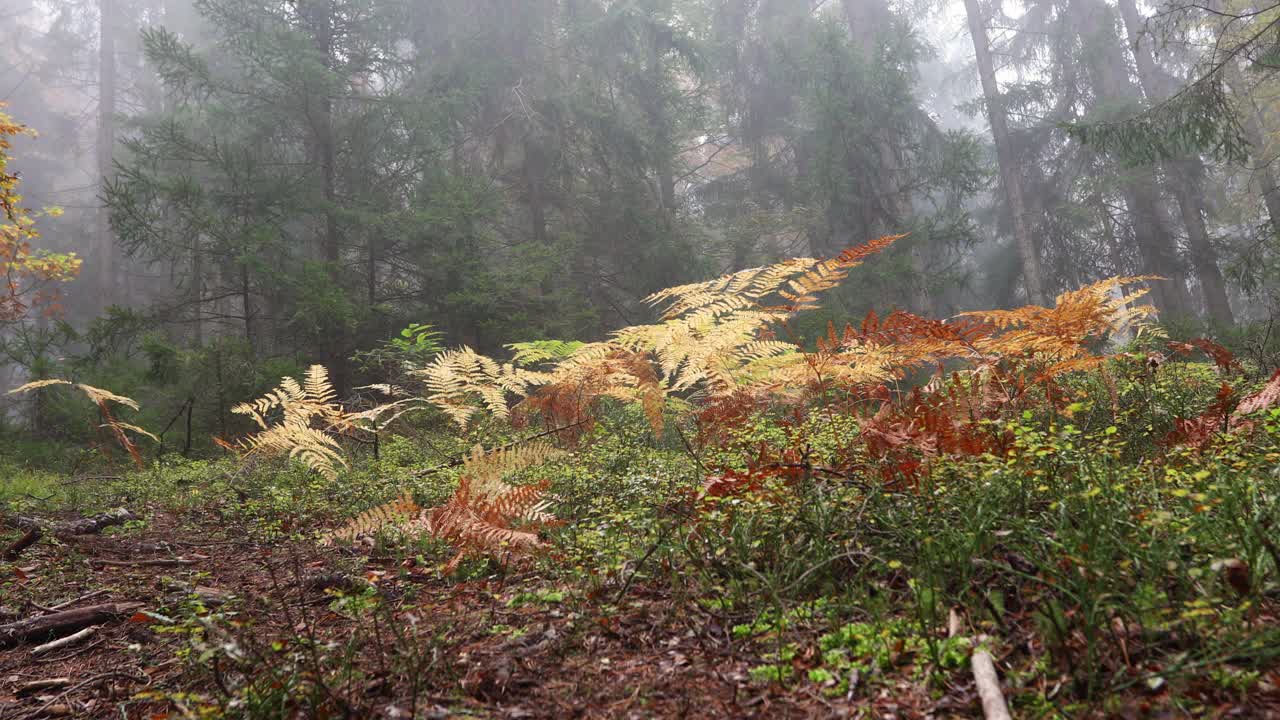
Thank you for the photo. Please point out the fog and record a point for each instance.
(305, 178)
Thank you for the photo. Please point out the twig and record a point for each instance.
(67, 656)
(36, 686)
(64, 642)
(82, 598)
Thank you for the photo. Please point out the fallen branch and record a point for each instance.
(85, 526)
(64, 642)
(45, 626)
(154, 562)
(984, 676)
(82, 598)
(336, 581)
(22, 543)
(35, 686)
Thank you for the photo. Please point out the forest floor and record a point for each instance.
(371, 637)
(514, 648)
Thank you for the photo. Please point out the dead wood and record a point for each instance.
(153, 562)
(984, 676)
(43, 627)
(64, 642)
(84, 526)
(36, 686)
(13, 551)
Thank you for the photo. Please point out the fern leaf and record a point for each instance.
(397, 513)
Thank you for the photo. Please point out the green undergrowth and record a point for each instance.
(1093, 557)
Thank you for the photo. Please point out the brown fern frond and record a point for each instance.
(1223, 358)
(1264, 399)
(1077, 317)
(526, 502)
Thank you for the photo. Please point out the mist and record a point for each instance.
(313, 176)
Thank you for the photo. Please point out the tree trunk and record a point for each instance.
(105, 244)
(867, 19)
(1264, 174)
(1010, 177)
(195, 292)
(1108, 70)
(1184, 176)
(320, 17)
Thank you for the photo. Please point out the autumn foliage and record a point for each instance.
(27, 272)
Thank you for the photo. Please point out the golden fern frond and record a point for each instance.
(306, 444)
(318, 387)
(400, 512)
(714, 338)
(102, 398)
(486, 470)
(381, 415)
(96, 395)
(300, 404)
(133, 429)
(37, 384)
(461, 382)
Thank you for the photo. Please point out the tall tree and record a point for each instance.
(1185, 175)
(105, 246)
(1010, 175)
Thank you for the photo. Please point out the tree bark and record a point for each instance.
(320, 16)
(1010, 177)
(195, 292)
(1264, 174)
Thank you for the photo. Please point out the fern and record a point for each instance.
(311, 421)
(103, 399)
(485, 514)
(1264, 399)
(302, 407)
(397, 513)
(461, 382)
(713, 339)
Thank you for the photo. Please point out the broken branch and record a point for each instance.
(984, 676)
(44, 626)
(22, 543)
